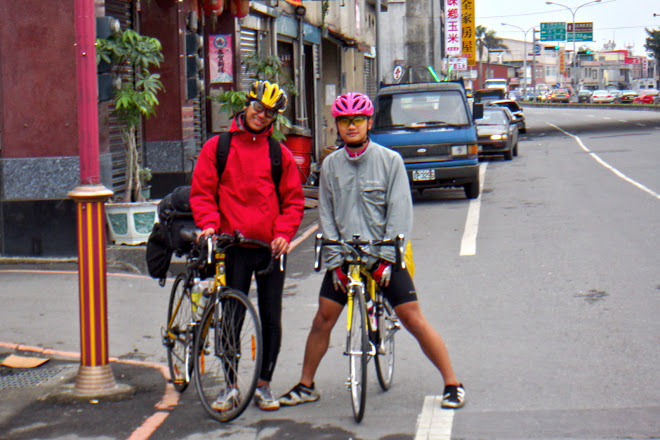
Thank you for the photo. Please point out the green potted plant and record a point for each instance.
(131, 53)
(144, 175)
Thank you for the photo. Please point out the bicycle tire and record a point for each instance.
(178, 337)
(358, 356)
(387, 328)
(219, 352)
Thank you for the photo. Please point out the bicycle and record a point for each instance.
(221, 346)
(370, 330)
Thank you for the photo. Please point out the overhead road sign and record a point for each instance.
(583, 31)
(553, 31)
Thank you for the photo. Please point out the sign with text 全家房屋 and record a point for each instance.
(583, 31)
(468, 31)
(553, 31)
(453, 36)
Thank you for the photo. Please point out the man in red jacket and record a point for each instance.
(245, 198)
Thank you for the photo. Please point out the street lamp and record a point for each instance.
(573, 12)
(524, 53)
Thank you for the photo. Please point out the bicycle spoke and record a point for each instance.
(228, 355)
(177, 337)
(388, 325)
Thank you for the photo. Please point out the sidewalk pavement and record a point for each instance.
(40, 310)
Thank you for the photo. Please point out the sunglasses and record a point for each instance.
(346, 122)
(259, 108)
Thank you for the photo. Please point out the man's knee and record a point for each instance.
(326, 316)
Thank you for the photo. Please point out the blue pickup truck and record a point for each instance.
(432, 127)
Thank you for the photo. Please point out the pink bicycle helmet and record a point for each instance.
(352, 104)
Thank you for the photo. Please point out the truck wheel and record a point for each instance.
(471, 190)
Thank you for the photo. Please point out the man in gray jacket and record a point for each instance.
(364, 190)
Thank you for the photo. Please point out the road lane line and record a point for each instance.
(606, 165)
(469, 240)
(165, 406)
(640, 124)
(303, 236)
(434, 423)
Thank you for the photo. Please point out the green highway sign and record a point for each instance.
(583, 31)
(553, 31)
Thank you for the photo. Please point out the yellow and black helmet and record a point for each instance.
(269, 94)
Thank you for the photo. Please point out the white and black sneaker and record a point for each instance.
(264, 399)
(453, 397)
(300, 394)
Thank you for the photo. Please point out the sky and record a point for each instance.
(622, 21)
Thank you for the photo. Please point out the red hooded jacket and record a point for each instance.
(245, 198)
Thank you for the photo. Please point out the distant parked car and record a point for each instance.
(615, 93)
(602, 97)
(584, 96)
(626, 97)
(560, 95)
(497, 132)
(646, 96)
(516, 110)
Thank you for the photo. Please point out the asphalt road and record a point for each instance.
(552, 324)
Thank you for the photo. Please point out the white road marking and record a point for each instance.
(434, 423)
(606, 165)
(469, 240)
(621, 120)
(641, 125)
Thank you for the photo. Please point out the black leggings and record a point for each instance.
(241, 264)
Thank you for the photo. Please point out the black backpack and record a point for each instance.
(175, 213)
(274, 150)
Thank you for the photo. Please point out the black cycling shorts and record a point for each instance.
(400, 290)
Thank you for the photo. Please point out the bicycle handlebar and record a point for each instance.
(222, 242)
(355, 246)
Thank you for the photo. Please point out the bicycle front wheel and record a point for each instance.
(227, 352)
(178, 335)
(358, 355)
(388, 325)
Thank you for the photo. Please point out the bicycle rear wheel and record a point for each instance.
(358, 355)
(227, 352)
(178, 335)
(388, 325)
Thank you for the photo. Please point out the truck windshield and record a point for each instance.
(417, 109)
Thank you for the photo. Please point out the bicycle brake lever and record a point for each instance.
(282, 257)
(317, 252)
(209, 245)
(400, 252)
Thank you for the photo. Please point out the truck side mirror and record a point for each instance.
(477, 110)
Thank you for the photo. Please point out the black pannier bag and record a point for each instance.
(174, 215)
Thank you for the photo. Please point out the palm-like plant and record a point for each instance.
(486, 39)
(130, 52)
(653, 45)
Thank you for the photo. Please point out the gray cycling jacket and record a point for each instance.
(367, 195)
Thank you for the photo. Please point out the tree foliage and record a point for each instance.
(653, 43)
(130, 53)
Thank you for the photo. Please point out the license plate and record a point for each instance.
(423, 175)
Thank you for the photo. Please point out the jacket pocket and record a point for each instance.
(374, 198)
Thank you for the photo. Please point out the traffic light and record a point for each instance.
(588, 51)
(555, 47)
(107, 82)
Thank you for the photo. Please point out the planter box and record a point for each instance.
(131, 223)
